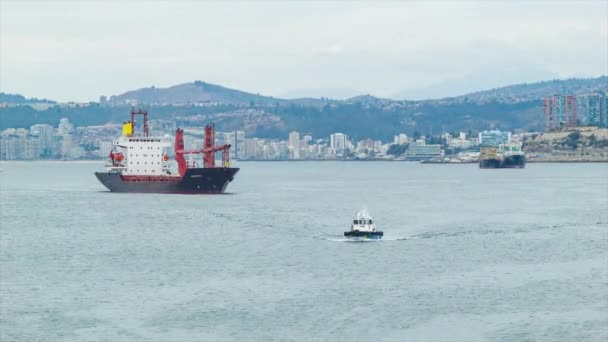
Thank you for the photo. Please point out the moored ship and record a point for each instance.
(141, 164)
(507, 155)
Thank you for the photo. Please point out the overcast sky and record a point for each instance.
(79, 51)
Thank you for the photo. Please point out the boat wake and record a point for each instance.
(385, 238)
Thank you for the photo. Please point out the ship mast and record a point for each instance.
(140, 112)
(208, 150)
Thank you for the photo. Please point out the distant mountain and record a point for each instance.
(535, 91)
(202, 92)
(369, 101)
(191, 93)
(330, 93)
(20, 99)
(486, 78)
(507, 108)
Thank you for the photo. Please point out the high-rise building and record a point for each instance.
(560, 111)
(306, 139)
(236, 139)
(31, 149)
(283, 150)
(9, 144)
(18, 144)
(603, 121)
(294, 145)
(66, 146)
(338, 142)
(239, 143)
(44, 133)
(593, 108)
(65, 127)
(251, 149)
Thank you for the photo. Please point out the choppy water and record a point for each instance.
(469, 255)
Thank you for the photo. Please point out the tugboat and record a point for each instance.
(140, 163)
(363, 227)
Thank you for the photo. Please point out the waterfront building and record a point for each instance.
(65, 127)
(66, 146)
(494, 138)
(294, 145)
(283, 150)
(44, 134)
(462, 142)
(18, 144)
(306, 140)
(236, 139)
(339, 143)
(400, 139)
(447, 137)
(256, 149)
(421, 151)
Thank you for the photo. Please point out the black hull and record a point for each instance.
(511, 162)
(514, 162)
(371, 235)
(489, 164)
(195, 181)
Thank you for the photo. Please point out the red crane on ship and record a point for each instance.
(208, 151)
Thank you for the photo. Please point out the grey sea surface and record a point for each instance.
(468, 255)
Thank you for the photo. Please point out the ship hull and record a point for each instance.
(489, 164)
(365, 235)
(510, 162)
(195, 181)
(514, 162)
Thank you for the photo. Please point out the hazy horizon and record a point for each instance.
(69, 51)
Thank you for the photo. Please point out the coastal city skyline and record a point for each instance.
(67, 142)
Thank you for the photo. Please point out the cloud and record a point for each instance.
(271, 48)
(334, 49)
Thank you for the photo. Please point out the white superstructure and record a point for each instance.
(363, 222)
(141, 156)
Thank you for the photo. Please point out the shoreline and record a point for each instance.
(88, 161)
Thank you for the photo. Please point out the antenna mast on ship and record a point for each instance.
(140, 112)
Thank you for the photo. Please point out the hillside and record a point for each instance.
(574, 144)
(507, 108)
(202, 92)
(194, 92)
(535, 91)
(20, 99)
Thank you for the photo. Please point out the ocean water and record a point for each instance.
(469, 255)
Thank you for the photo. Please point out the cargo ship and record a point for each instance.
(140, 163)
(507, 156)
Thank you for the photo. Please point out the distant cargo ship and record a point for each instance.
(505, 156)
(140, 164)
